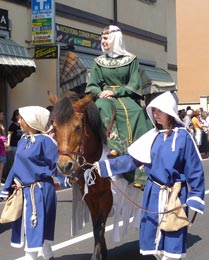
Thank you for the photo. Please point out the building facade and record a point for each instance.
(192, 53)
(149, 28)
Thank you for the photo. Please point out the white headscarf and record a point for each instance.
(36, 117)
(116, 42)
(141, 148)
(166, 102)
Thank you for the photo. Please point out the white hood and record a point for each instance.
(141, 148)
(166, 102)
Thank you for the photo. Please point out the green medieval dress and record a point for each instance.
(120, 75)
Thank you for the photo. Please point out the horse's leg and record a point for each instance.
(99, 207)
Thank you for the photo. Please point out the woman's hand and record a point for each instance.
(107, 94)
(95, 166)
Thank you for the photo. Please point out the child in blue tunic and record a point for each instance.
(34, 165)
(169, 155)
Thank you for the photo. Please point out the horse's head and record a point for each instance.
(69, 123)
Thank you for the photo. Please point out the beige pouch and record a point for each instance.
(176, 219)
(13, 206)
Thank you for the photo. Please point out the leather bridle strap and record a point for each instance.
(82, 143)
(146, 210)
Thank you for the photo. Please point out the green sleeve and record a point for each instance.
(94, 82)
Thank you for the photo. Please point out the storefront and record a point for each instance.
(15, 63)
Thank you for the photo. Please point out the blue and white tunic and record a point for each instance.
(35, 161)
(172, 159)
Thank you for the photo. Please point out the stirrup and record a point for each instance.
(138, 186)
(113, 154)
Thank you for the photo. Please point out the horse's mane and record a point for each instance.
(64, 109)
(94, 119)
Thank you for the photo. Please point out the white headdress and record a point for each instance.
(166, 102)
(141, 148)
(117, 44)
(36, 117)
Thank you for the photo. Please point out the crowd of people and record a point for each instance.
(197, 123)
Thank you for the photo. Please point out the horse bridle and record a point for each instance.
(80, 159)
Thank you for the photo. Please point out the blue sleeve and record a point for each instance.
(119, 165)
(195, 177)
(51, 155)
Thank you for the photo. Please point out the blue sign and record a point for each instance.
(43, 21)
(42, 6)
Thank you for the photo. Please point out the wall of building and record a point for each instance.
(193, 49)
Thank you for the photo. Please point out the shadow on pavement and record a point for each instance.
(4, 227)
(192, 239)
(123, 252)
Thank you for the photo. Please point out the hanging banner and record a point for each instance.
(72, 36)
(43, 21)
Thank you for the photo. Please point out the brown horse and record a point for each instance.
(80, 140)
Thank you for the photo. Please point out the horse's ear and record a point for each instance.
(52, 97)
(81, 104)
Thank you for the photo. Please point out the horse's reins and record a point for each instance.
(154, 212)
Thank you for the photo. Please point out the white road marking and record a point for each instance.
(78, 239)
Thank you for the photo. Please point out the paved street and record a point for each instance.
(81, 246)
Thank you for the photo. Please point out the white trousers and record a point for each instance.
(161, 257)
(46, 252)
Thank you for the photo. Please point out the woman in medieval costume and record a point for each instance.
(170, 156)
(115, 84)
(33, 167)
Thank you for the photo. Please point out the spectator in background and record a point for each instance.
(205, 131)
(14, 132)
(188, 121)
(188, 108)
(1, 116)
(3, 145)
(197, 127)
(182, 114)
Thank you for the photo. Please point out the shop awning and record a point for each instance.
(15, 63)
(74, 70)
(155, 80)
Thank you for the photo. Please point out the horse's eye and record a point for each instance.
(78, 128)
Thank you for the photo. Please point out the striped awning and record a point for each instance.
(155, 80)
(15, 63)
(74, 70)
